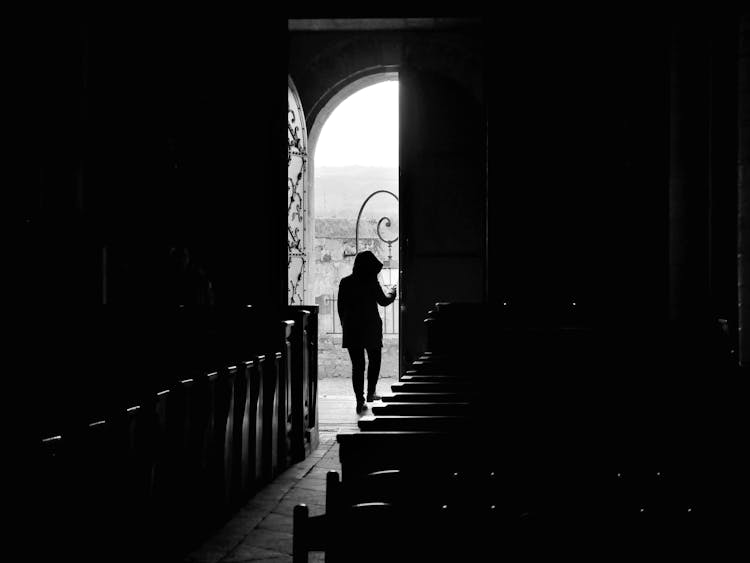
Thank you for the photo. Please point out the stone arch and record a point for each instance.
(368, 77)
(329, 75)
(323, 68)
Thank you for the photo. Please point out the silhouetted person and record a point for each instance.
(358, 300)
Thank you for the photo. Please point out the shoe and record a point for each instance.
(373, 397)
(361, 407)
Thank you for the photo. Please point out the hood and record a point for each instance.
(366, 264)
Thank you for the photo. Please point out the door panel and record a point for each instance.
(443, 197)
(297, 207)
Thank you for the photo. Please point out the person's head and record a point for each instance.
(366, 264)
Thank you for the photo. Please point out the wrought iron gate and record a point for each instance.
(296, 198)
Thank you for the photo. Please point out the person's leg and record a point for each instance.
(373, 371)
(357, 356)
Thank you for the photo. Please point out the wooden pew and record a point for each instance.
(441, 535)
(248, 430)
(441, 415)
(364, 452)
(456, 330)
(285, 396)
(187, 428)
(72, 492)
(132, 471)
(271, 427)
(348, 537)
(410, 376)
(426, 402)
(244, 424)
(434, 387)
(313, 427)
(222, 440)
(246, 332)
(267, 331)
(581, 505)
(259, 404)
(446, 423)
(430, 397)
(421, 408)
(53, 487)
(439, 489)
(160, 516)
(304, 385)
(564, 466)
(420, 516)
(104, 472)
(204, 449)
(177, 429)
(300, 373)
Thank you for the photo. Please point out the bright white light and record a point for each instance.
(362, 130)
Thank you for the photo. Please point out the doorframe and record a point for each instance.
(339, 93)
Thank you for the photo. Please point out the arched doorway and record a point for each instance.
(354, 174)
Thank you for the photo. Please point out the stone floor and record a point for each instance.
(262, 529)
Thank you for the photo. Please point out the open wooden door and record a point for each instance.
(298, 208)
(443, 200)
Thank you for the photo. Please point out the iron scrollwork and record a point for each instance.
(382, 220)
(297, 168)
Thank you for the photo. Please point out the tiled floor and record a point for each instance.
(262, 529)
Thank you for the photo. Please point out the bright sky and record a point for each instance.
(362, 130)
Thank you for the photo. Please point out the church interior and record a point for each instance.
(574, 246)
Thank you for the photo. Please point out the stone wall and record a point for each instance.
(333, 360)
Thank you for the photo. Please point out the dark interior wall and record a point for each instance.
(443, 198)
(703, 172)
(321, 62)
(610, 146)
(743, 184)
(578, 162)
(146, 133)
(724, 92)
(703, 227)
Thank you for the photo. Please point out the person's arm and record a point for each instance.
(383, 299)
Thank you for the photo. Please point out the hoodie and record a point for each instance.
(358, 300)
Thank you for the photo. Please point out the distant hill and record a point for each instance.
(327, 227)
(340, 191)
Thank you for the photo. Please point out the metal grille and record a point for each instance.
(296, 199)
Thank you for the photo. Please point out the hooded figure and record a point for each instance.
(358, 300)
